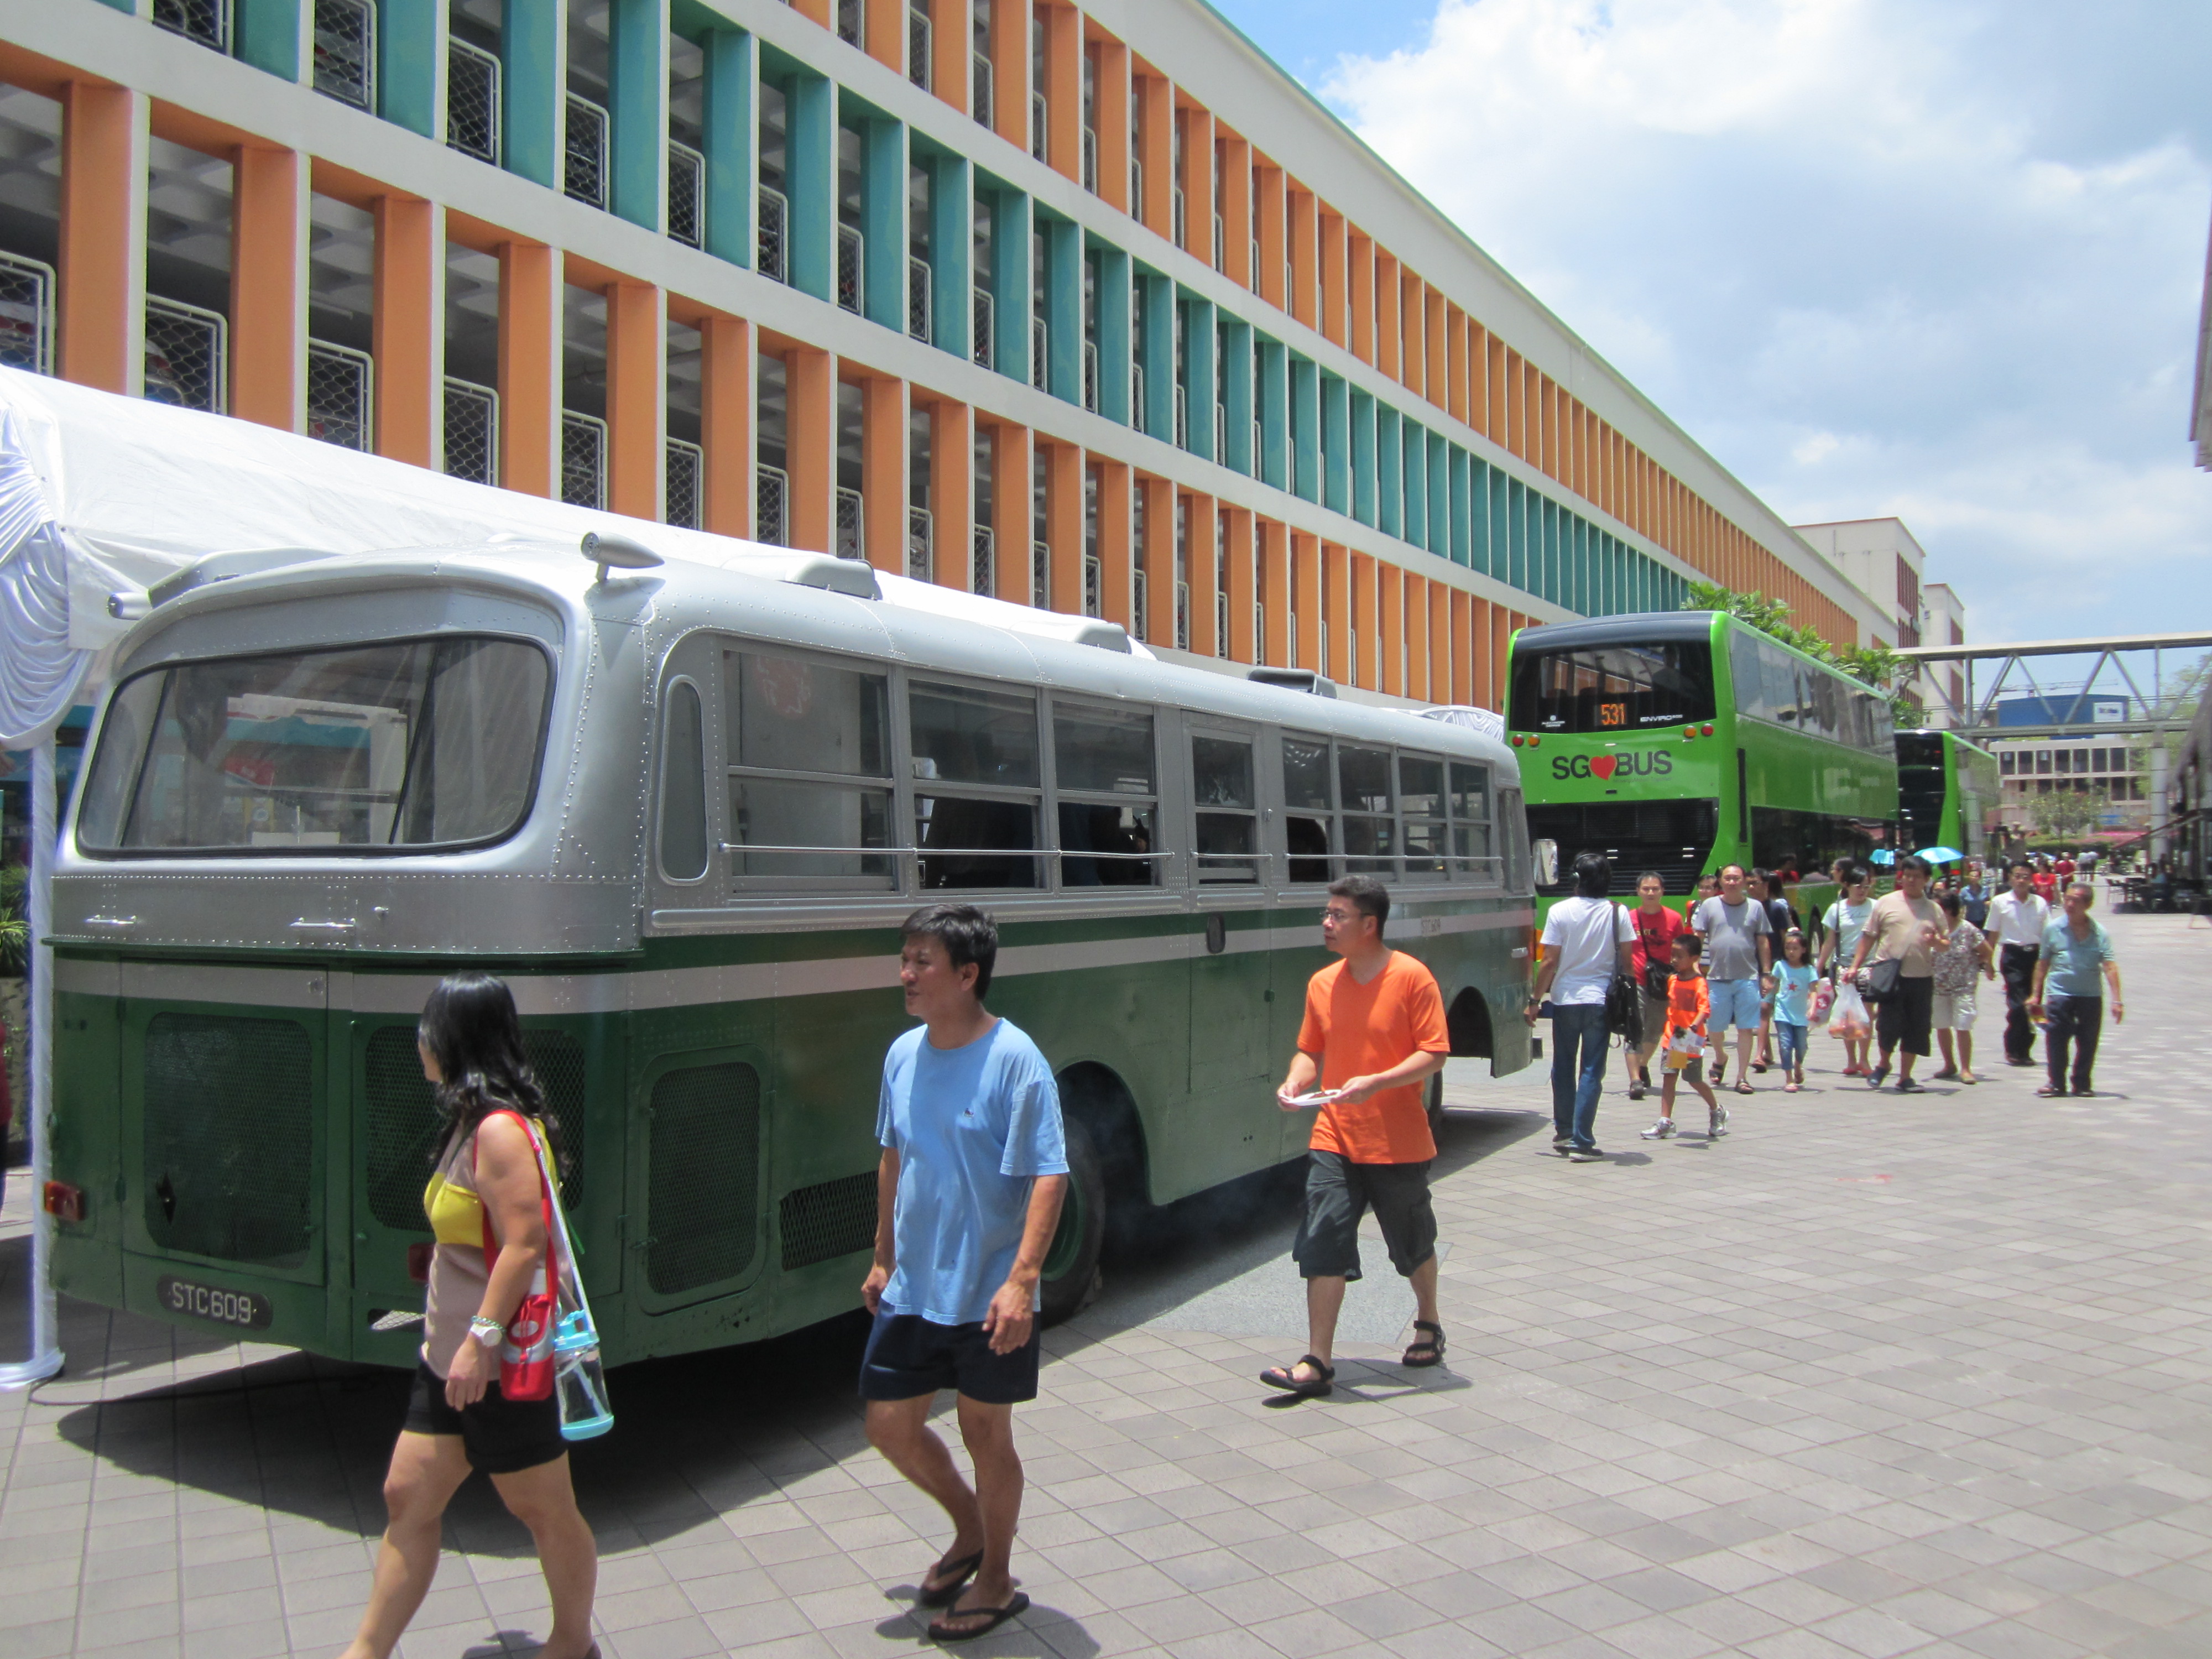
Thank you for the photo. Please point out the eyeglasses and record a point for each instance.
(1339, 917)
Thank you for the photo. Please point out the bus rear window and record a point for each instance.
(1612, 687)
(416, 744)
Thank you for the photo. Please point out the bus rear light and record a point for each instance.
(1709, 730)
(1533, 740)
(64, 1202)
(1516, 739)
(1689, 732)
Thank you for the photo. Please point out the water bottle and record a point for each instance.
(579, 1379)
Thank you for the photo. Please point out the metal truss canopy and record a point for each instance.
(2075, 708)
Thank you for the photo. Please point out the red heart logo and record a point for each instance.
(1601, 766)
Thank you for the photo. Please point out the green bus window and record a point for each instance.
(684, 785)
(1228, 822)
(1307, 789)
(1635, 687)
(1106, 774)
(1421, 807)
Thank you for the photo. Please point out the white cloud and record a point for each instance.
(1878, 256)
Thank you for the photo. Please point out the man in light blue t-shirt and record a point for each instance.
(967, 1195)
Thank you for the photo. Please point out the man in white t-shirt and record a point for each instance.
(1587, 939)
(2018, 917)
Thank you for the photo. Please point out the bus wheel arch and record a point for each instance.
(1467, 1022)
(1106, 1173)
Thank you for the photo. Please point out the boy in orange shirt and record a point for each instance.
(1374, 1033)
(1688, 1004)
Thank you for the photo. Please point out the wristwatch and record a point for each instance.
(487, 1331)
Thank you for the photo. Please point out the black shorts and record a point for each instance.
(498, 1436)
(1905, 1019)
(908, 1355)
(1339, 1193)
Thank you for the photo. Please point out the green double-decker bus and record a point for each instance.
(683, 810)
(1682, 741)
(1946, 793)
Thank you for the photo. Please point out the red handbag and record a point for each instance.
(526, 1351)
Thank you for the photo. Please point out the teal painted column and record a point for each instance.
(1235, 369)
(729, 129)
(1114, 334)
(266, 34)
(1159, 295)
(883, 223)
(1201, 386)
(1478, 513)
(1010, 281)
(1336, 444)
(1305, 427)
(1416, 485)
(1462, 529)
(809, 171)
(637, 94)
(1275, 414)
(1553, 582)
(411, 38)
(951, 250)
(1516, 535)
(1501, 535)
(533, 109)
(1363, 457)
(1440, 524)
(1389, 472)
(1063, 299)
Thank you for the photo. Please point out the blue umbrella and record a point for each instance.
(1941, 854)
(1882, 855)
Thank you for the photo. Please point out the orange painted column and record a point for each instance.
(1205, 526)
(1010, 72)
(1363, 297)
(818, 10)
(1500, 383)
(1390, 344)
(1156, 100)
(1456, 364)
(1501, 648)
(1334, 295)
(1439, 352)
(1478, 377)
(1413, 306)
(725, 425)
(1273, 210)
(1159, 561)
(1395, 664)
(1306, 588)
(882, 472)
(1462, 615)
(1336, 610)
(1305, 256)
(1117, 546)
(951, 490)
(1271, 551)
(1367, 608)
(637, 336)
(407, 331)
(809, 457)
(1243, 587)
(1063, 517)
(269, 287)
(884, 35)
(1236, 211)
(1112, 114)
(1198, 182)
(102, 332)
(951, 35)
(1063, 72)
(1417, 636)
(530, 310)
(1011, 525)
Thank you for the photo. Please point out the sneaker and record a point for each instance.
(1877, 1077)
(1560, 1143)
(1789, 1087)
(1662, 1130)
(1717, 1124)
(1635, 1090)
(1584, 1155)
(1906, 1086)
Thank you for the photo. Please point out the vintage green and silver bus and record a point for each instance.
(682, 809)
(1681, 741)
(1946, 793)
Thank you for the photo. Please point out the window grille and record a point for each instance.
(471, 432)
(1220, 435)
(1256, 450)
(987, 330)
(186, 354)
(207, 22)
(584, 165)
(1254, 267)
(917, 47)
(1091, 377)
(852, 21)
(1183, 615)
(687, 189)
(917, 298)
(773, 214)
(1094, 585)
(1352, 656)
(1182, 418)
(982, 90)
(851, 252)
(1041, 575)
(1139, 611)
(473, 100)
(345, 51)
(1136, 187)
(26, 315)
(921, 545)
(1322, 666)
(771, 506)
(583, 460)
(1137, 396)
(983, 561)
(1090, 158)
(1292, 662)
(686, 467)
(1220, 245)
(1220, 624)
(341, 395)
(1038, 113)
(1259, 633)
(851, 523)
(1040, 341)
(1181, 216)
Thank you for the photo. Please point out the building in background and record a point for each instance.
(1101, 313)
(1881, 558)
(2125, 774)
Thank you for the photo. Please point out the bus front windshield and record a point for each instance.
(416, 743)
(1630, 687)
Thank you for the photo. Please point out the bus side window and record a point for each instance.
(1309, 798)
(1470, 823)
(1221, 788)
(982, 744)
(1369, 832)
(1421, 807)
(1106, 796)
(682, 785)
(809, 772)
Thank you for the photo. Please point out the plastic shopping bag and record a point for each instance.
(1824, 995)
(1684, 1047)
(1849, 1017)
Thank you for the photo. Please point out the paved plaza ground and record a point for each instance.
(1873, 1376)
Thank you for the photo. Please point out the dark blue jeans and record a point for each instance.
(1579, 1042)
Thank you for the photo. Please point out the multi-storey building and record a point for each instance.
(1886, 562)
(1094, 310)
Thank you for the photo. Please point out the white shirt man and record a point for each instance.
(2017, 919)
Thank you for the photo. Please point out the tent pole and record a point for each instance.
(45, 1359)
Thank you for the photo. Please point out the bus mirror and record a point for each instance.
(604, 550)
(1547, 853)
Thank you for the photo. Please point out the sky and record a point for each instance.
(1938, 260)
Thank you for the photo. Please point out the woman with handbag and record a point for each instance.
(1656, 928)
(483, 1396)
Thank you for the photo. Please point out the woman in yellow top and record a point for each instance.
(470, 1042)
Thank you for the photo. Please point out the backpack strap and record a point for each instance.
(545, 1199)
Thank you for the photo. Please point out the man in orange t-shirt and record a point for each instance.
(1374, 1033)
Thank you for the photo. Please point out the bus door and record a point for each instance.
(1232, 1056)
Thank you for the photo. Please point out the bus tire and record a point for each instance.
(1070, 1261)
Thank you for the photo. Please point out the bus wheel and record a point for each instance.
(1070, 1265)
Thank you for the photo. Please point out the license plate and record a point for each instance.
(246, 1310)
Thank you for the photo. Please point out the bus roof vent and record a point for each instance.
(850, 576)
(1106, 635)
(1293, 680)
